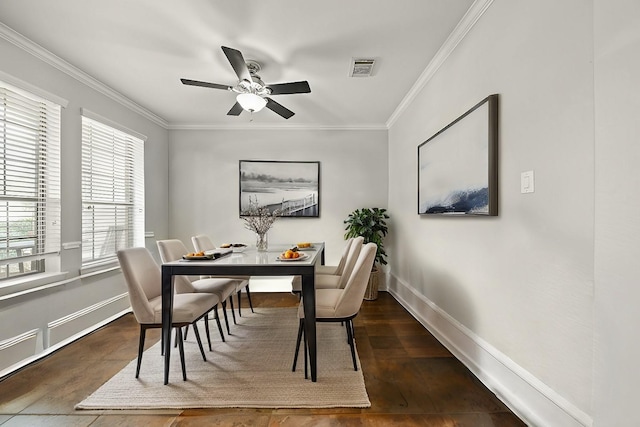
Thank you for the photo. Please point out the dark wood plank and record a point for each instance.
(412, 380)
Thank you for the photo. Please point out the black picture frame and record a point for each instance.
(458, 165)
(291, 187)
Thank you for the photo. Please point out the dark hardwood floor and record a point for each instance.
(412, 380)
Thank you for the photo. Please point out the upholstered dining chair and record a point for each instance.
(173, 250)
(202, 242)
(340, 305)
(334, 281)
(331, 281)
(336, 270)
(144, 282)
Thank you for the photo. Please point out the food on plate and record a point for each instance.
(303, 245)
(233, 245)
(192, 254)
(289, 254)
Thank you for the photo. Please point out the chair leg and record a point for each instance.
(233, 310)
(295, 355)
(226, 318)
(181, 347)
(249, 297)
(143, 333)
(215, 309)
(346, 327)
(162, 344)
(184, 336)
(239, 293)
(353, 350)
(206, 329)
(197, 333)
(304, 338)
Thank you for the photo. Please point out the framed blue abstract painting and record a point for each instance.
(458, 166)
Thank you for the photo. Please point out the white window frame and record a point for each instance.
(29, 175)
(112, 190)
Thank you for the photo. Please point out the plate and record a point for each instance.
(235, 247)
(302, 257)
(309, 248)
(197, 258)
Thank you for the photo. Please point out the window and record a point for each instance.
(112, 191)
(29, 182)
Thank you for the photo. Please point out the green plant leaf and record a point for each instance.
(369, 223)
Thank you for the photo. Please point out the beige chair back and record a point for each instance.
(143, 278)
(352, 257)
(202, 242)
(173, 250)
(351, 299)
(343, 257)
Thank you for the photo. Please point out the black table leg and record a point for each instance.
(167, 311)
(309, 304)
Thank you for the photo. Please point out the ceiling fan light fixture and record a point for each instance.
(251, 102)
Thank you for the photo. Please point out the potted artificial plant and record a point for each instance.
(370, 224)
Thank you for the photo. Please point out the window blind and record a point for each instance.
(29, 181)
(112, 191)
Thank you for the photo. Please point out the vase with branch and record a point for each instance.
(259, 219)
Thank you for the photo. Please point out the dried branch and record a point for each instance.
(259, 219)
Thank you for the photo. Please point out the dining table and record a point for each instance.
(248, 262)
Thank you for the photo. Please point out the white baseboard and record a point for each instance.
(528, 397)
(63, 331)
(60, 330)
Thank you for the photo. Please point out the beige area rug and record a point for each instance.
(251, 370)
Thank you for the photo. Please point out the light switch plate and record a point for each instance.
(527, 182)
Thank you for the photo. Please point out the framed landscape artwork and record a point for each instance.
(458, 166)
(293, 188)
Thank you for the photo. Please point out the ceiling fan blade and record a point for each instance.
(235, 110)
(204, 84)
(238, 63)
(278, 109)
(289, 88)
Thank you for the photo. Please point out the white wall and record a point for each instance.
(617, 179)
(104, 294)
(519, 287)
(547, 290)
(204, 175)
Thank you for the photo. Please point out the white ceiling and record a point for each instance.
(141, 49)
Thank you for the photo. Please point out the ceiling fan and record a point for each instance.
(253, 93)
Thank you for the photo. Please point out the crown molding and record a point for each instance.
(477, 9)
(44, 55)
(278, 127)
(467, 22)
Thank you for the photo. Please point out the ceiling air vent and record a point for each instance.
(361, 67)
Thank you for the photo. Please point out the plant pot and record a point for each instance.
(372, 287)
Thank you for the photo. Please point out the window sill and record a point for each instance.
(22, 285)
(99, 267)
